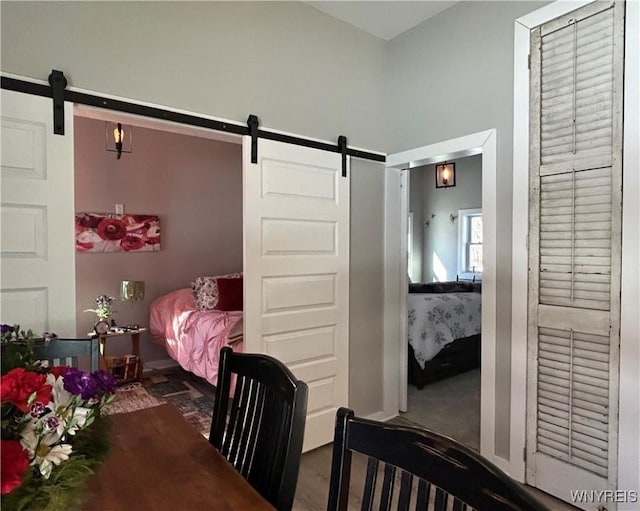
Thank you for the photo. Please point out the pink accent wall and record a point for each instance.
(195, 186)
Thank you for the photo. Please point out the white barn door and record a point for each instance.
(575, 252)
(296, 272)
(37, 278)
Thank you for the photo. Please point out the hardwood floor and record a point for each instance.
(315, 466)
(313, 484)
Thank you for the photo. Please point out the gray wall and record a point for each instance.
(440, 237)
(366, 301)
(298, 69)
(194, 184)
(304, 72)
(452, 76)
(416, 206)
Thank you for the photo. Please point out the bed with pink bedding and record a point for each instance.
(194, 337)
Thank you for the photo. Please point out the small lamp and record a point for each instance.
(132, 290)
(445, 175)
(118, 138)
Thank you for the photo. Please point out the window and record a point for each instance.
(469, 243)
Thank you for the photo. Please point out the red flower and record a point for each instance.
(14, 461)
(18, 384)
(89, 221)
(112, 229)
(145, 218)
(132, 243)
(58, 371)
(83, 246)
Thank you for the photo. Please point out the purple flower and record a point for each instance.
(105, 382)
(37, 409)
(80, 383)
(51, 423)
(5, 329)
(49, 336)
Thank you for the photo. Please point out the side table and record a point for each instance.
(124, 368)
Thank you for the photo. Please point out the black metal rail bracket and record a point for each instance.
(58, 83)
(342, 145)
(252, 123)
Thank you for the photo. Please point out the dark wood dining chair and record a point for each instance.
(70, 352)
(260, 430)
(434, 472)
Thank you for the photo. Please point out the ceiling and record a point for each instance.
(383, 19)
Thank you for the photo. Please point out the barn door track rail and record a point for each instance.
(59, 93)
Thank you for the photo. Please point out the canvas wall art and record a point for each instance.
(105, 232)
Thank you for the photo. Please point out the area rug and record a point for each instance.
(130, 398)
(177, 388)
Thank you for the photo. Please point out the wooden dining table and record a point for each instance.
(158, 462)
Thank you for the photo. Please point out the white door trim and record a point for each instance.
(629, 407)
(395, 345)
(629, 445)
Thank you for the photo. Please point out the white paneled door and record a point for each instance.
(37, 274)
(575, 252)
(296, 272)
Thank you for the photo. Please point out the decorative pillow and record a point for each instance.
(205, 290)
(229, 294)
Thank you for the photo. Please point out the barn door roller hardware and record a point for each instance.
(58, 91)
(252, 123)
(58, 83)
(342, 145)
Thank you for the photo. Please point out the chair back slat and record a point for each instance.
(404, 499)
(441, 500)
(249, 415)
(458, 505)
(437, 472)
(260, 430)
(69, 352)
(423, 495)
(370, 484)
(387, 487)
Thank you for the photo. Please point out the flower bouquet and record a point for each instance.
(50, 436)
(17, 346)
(103, 307)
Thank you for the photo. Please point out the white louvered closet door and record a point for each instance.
(575, 251)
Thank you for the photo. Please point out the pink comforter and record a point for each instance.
(192, 337)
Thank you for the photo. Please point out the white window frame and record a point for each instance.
(464, 216)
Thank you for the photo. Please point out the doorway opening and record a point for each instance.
(444, 249)
(482, 144)
(190, 179)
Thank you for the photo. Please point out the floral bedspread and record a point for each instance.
(437, 319)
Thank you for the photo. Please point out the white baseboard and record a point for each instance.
(159, 365)
(381, 416)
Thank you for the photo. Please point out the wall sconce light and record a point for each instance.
(132, 290)
(118, 138)
(445, 175)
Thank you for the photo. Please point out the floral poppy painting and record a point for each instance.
(105, 232)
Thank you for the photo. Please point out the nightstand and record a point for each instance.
(124, 368)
